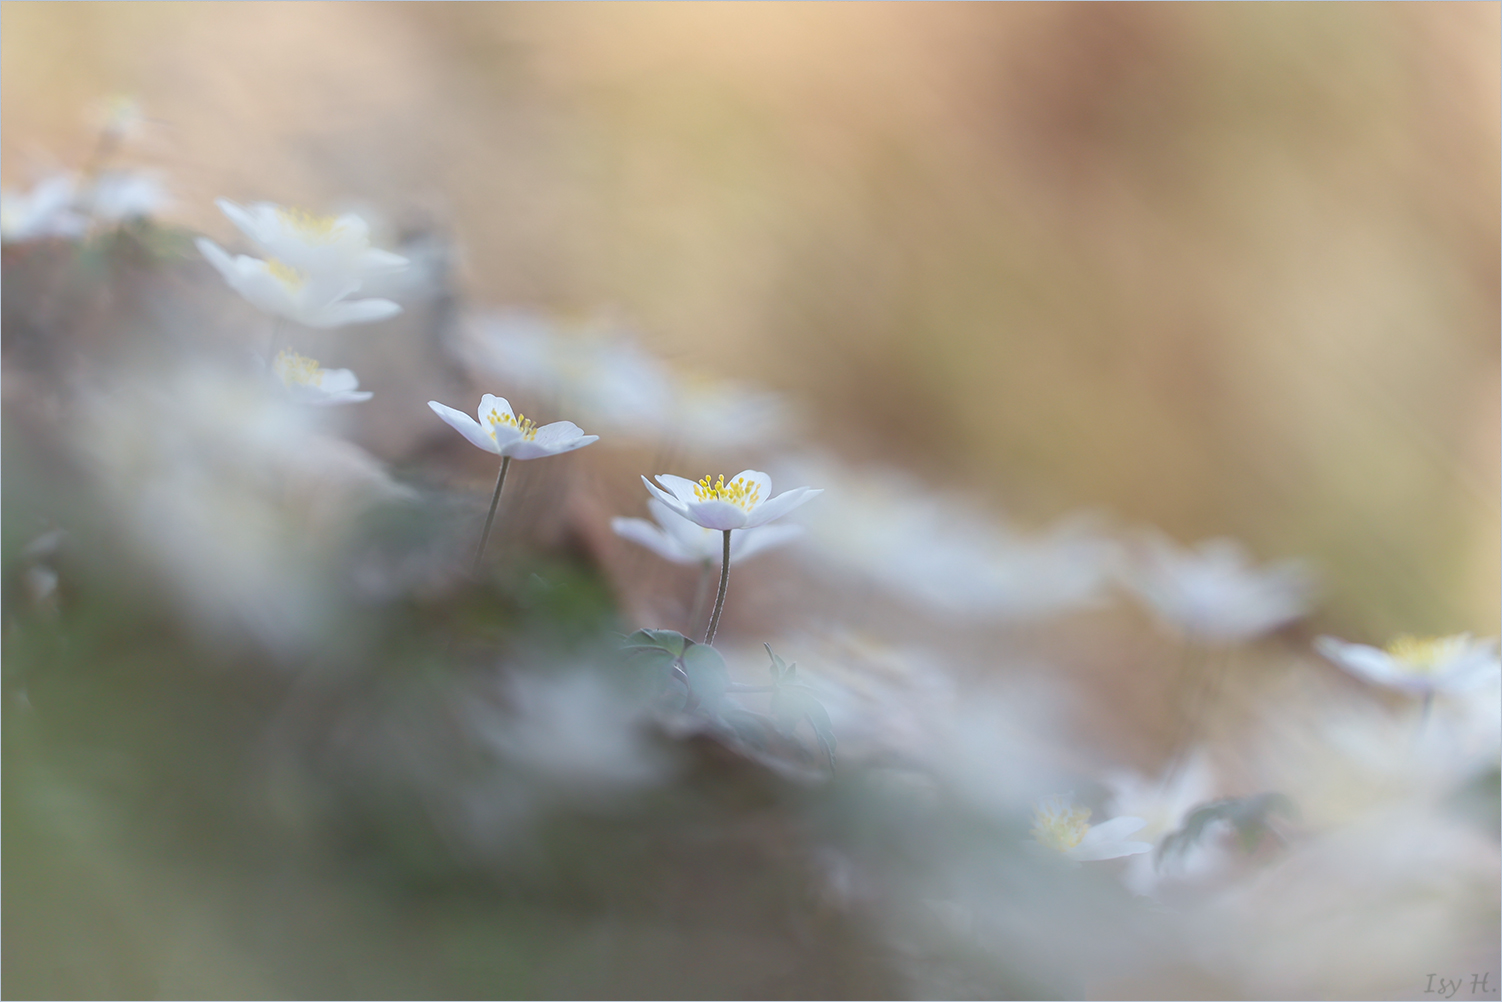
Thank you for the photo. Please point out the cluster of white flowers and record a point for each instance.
(313, 265)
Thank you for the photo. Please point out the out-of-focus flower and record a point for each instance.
(684, 541)
(313, 300)
(1163, 803)
(1418, 666)
(118, 195)
(307, 382)
(334, 246)
(231, 496)
(611, 381)
(735, 505)
(507, 434)
(48, 210)
(1066, 829)
(1214, 594)
(948, 555)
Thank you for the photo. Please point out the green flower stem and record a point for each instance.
(719, 601)
(495, 498)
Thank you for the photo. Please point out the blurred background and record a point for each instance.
(1226, 270)
(1222, 270)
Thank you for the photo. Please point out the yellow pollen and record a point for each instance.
(1425, 654)
(740, 492)
(286, 274)
(1059, 825)
(314, 229)
(297, 370)
(520, 422)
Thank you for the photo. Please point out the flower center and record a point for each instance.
(286, 274)
(297, 370)
(520, 422)
(313, 229)
(1425, 654)
(1059, 824)
(740, 492)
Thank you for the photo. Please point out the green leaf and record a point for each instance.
(708, 677)
(793, 703)
(670, 641)
(1249, 816)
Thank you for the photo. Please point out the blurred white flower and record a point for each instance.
(1418, 666)
(307, 382)
(572, 731)
(230, 495)
(1066, 829)
(1214, 594)
(723, 506)
(718, 414)
(512, 435)
(946, 554)
(48, 210)
(609, 380)
(118, 195)
(314, 300)
(321, 246)
(684, 541)
(1163, 803)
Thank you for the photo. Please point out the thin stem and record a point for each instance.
(701, 595)
(495, 498)
(719, 601)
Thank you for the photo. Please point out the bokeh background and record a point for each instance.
(1222, 270)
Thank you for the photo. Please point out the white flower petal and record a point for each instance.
(524, 449)
(747, 543)
(465, 425)
(1107, 850)
(356, 311)
(781, 505)
(338, 381)
(667, 499)
(682, 489)
(490, 402)
(644, 533)
(717, 514)
(1113, 830)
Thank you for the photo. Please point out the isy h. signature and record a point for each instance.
(1447, 987)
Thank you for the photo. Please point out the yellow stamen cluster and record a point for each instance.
(314, 229)
(1059, 825)
(739, 492)
(297, 370)
(523, 424)
(1425, 654)
(286, 274)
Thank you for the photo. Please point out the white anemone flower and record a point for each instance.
(313, 300)
(48, 210)
(743, 503)
(948, 553)
(1214, 594)
(683, 541)
(511, 435)
(308, 382)
(1066, 829)
(313, 244)
(124, 194)
(1418, 666)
